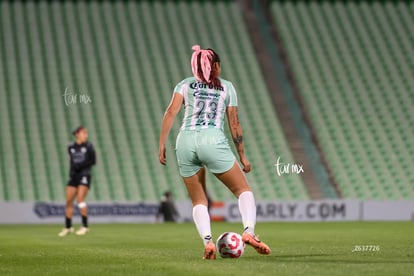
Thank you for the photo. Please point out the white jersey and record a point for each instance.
(205, 105)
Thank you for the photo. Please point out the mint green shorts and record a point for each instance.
(206, 147)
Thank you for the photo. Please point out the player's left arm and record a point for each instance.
(235, 127)
(92, 155)
(169, 116)
(237, 135)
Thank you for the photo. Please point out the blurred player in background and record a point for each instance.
(167, 208)
(207, 99)
(82, 158)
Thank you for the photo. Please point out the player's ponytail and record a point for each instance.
(202, 65)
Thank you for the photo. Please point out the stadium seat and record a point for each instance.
(351, 63)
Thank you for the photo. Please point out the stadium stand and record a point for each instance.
(286, 100)
(126, 57)
(353, 64)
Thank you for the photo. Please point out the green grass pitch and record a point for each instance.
(175, 249)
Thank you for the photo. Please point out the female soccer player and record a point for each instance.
(82, 158)
(201, 143)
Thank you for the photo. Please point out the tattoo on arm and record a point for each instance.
(238, 139)
(236, 130)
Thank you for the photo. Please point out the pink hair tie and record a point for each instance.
(196, 48)
(205, 63)
(194, 64)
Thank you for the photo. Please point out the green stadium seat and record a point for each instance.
(352, 69)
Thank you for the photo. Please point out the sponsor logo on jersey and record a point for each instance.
(206, 95)
(198, 85)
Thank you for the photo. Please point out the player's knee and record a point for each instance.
(82, 205)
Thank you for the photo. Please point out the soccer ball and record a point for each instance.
(230, 245)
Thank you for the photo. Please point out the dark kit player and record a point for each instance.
(82, 158)
(167, 209)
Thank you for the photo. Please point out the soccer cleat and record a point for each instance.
(209, 251)
(65, 232)
(82, 231)
(257, 244)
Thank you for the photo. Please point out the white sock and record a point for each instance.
(202, 222)
(247, 207)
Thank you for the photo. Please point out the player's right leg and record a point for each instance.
(237, 183)
(70, 197)
(196, 190)
(193, 174)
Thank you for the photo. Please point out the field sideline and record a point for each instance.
(175, 249)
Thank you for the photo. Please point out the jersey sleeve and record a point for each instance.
(181, 87)
(92, 156)
(232, 96)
